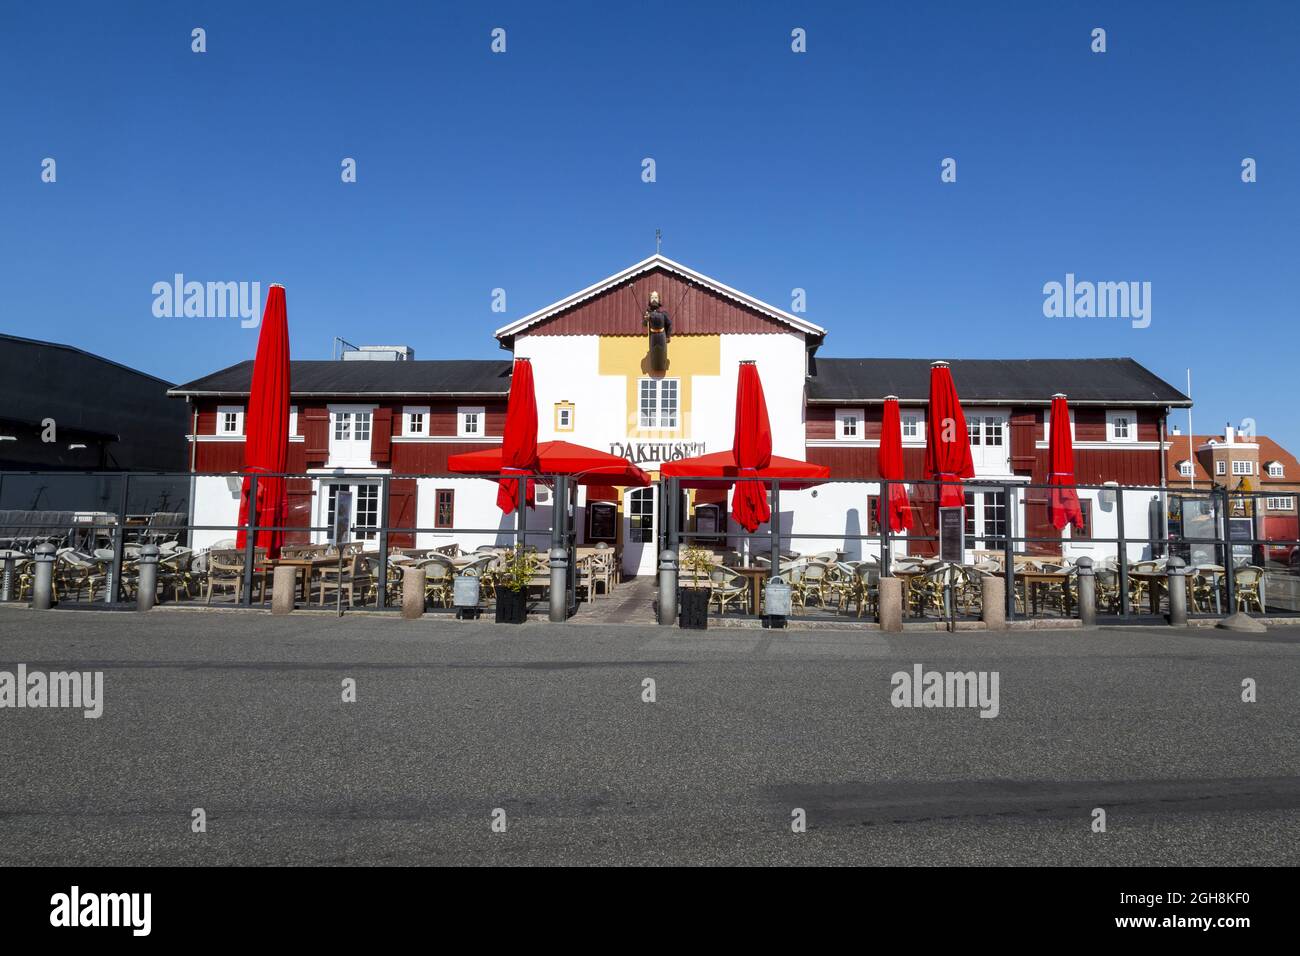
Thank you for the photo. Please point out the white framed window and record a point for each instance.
(1185, 469)
(657, 403)
(848, 424)
(564, 416)
(1284, 503)
(230, 420)
(1220, 467)
(293, 421)
(1121, 425)
(471, 421)
(351, 426)
(415, 420)
(1242, 467)
(913, 426)
(1275, 470)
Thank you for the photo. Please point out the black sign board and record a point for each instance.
(952, 533)
(342, 516)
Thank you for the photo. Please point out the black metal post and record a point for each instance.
(1224, 506)
(114, 591)
(381, 595)
(1008, 550)
(1121, 557)
(250, 540)
(521, 516)
(885, 511)
(774, 527)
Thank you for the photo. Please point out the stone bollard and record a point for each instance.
(43, 578)
(993, 602)
(146, 567)
(1087, 592)
(1177, 591)
(890, 606)
(668, 587)
(413, 581)
(284, 588)
(559, 585)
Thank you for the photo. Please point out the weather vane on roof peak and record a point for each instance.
(658, 240)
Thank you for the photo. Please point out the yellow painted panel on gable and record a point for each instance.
(688, 356)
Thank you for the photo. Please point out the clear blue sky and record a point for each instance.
(775, 171)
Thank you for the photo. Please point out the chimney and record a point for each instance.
(1174, 430)
(1228, 435)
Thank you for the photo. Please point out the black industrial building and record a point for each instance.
(63, 409)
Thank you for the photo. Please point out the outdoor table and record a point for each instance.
(906, 574)
(1154, 580)
(304, 568)
(1031, 580)
(756, 575)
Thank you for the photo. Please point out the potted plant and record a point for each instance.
(695, 590)
(511, 579)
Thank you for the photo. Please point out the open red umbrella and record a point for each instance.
(750, 457)
(896, 507)
(519, 445)
(588, 466)
(266, 441)
(1064, 503)
(947, 445)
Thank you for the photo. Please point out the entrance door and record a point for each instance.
(365, 509)
(986, 520)
(639, 527)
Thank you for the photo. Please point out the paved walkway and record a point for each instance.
(631, 602)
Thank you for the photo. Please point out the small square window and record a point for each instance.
(849, 424)
(911, 427)
(230, 420)
(1275, 469)
(1121, 426)
(470, 422)
(564, 416)
(415, 420)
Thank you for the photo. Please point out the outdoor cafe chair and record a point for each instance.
(355, 576)
(438, 575)
(866, 591)
(728, 587)
(1247, 585)
(813, 582)
(225, 570)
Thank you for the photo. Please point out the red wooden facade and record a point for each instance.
(694, 310)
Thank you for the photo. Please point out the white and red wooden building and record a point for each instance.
(595, 386)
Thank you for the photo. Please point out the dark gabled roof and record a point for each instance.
(437, 377)
(1108, 381)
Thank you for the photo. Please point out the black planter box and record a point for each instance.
(693, 608)
(512, 606)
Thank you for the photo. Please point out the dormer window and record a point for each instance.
(1185, 469)
(1275, 470)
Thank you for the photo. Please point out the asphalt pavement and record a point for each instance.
(457, 726)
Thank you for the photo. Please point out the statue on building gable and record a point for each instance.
(659, 329)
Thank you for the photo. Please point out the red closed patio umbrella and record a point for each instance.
(947, 444)
(266, 442)
(1064, 503)
(750, 457)
(895, 508)
(519, 445)
(752, 446)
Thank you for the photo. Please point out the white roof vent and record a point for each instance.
(380, 353)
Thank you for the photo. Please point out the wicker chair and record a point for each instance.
(728, 587)
(1246, 582)
(439, 572)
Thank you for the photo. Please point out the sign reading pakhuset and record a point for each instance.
(37, 689)
(651, 452)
